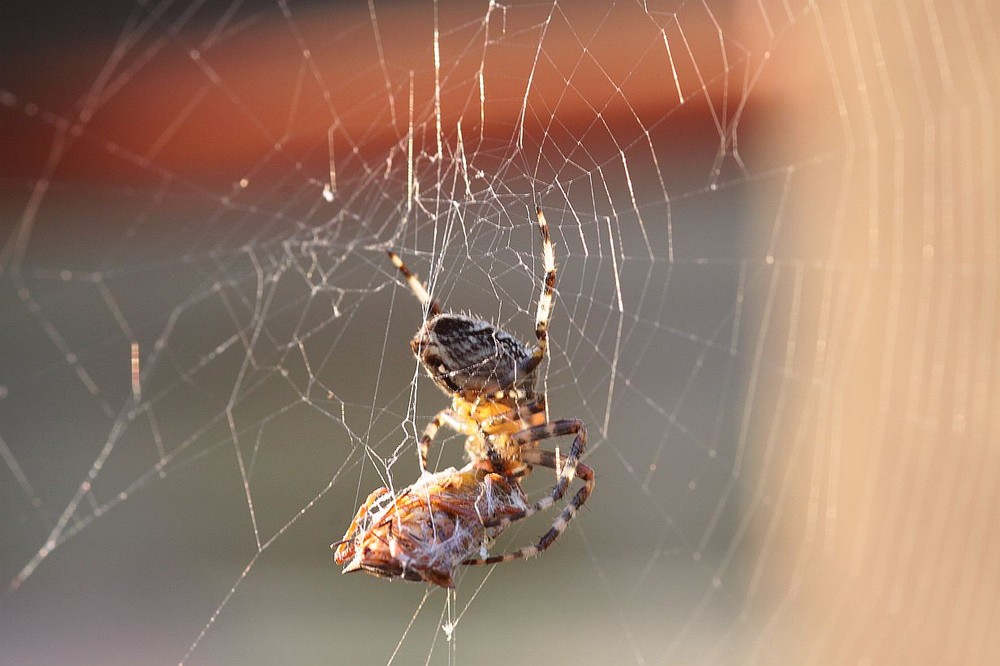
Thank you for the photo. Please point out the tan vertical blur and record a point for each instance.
(882, 545)
(136, 385)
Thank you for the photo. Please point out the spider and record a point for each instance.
(491, 376)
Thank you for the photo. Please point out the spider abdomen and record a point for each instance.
(466, 354)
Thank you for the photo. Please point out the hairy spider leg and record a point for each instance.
(567, 469)
(547, 299)
(416, 286)
(444, 417)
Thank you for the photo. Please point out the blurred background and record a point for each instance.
(776, 230)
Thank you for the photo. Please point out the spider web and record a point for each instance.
(775, 227)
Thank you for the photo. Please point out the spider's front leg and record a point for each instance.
(546, 301)
(567, 469)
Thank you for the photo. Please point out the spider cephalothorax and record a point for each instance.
(426, 530)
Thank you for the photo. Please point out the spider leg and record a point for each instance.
(416, 286)
(568, 469)
(444, 417)
(546, 300)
